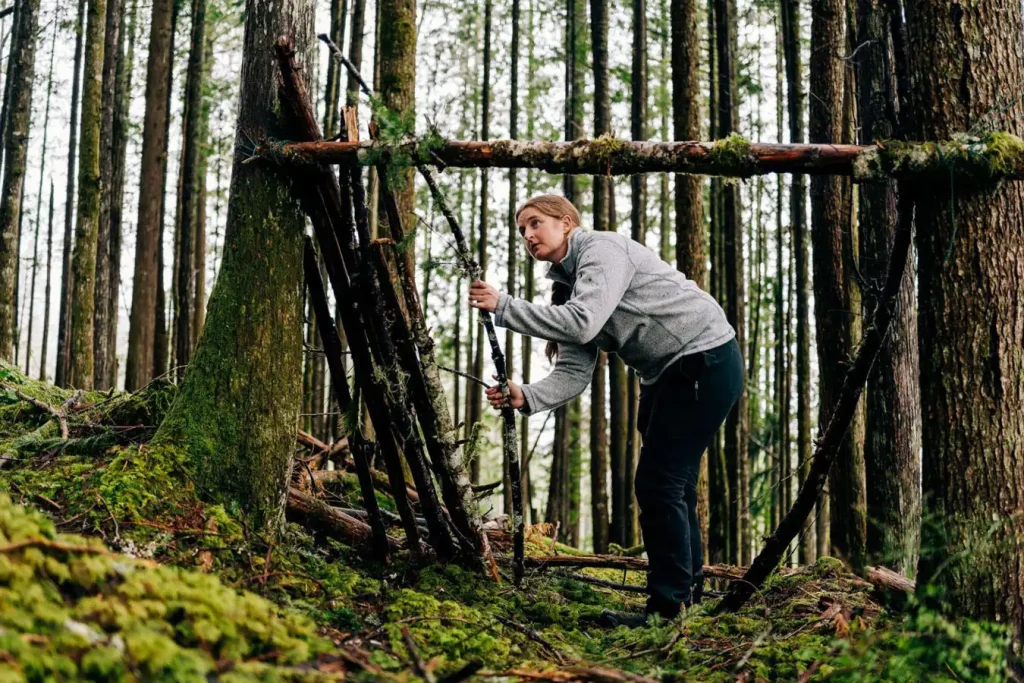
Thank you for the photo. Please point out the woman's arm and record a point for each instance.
(603, 275)
(573, 372)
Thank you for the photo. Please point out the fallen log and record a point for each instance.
(321, 517)
(988, 158)
(886, 579)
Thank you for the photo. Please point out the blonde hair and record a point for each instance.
(558, 207)
(552, 205)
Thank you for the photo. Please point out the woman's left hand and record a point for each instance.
(483, 296)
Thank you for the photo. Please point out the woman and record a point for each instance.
(612, 294)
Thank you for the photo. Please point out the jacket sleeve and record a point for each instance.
(573, 372)
(604, 272)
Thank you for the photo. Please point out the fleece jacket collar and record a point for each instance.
(565, 270)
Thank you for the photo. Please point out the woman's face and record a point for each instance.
(544, 235)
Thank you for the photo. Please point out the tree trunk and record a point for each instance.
(83, 261)
(732, 230)
(199, 241)
(46, 298)
(189, 185)
(64, 316)
(163, 338)
(397, 49)
(609, 367)
(143, 322)
(971, 313)
(513, 240)
(686, 89)
(797, 210)
(474, 414)
(38, 219)
(893, 420)
(529, 283)
(332, 90)
(15, 141)
(355, 50)
(242, 386)
(105, 357)
(831, 292)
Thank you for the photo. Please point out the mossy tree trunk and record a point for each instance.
(21, 75)
(893, 412)
(64, 317)
(83, 259)
(105, 356)
(143, 322)
(971, 314)
(397, 48)
(237, 410)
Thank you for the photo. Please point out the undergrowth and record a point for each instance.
(173, 588)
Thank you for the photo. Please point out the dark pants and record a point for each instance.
(678, 417)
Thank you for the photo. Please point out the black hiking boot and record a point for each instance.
(610, 619)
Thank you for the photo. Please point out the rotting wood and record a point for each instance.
(994, 156)
(319, 516)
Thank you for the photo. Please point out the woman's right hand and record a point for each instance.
(498, 401)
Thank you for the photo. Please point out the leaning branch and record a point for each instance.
(990, 158)
(839, 424)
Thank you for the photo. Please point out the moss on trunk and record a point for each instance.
(237, 411)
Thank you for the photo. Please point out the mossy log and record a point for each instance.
(987, 159)
(319, 516)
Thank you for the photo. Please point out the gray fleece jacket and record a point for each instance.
(624, 300)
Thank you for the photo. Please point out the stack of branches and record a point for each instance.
(395, 371)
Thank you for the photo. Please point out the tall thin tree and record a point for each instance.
(143, 323)
(22, 74)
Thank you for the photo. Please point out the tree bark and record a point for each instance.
(971, 313)
(242, 387)
(355, 50)
(732, 231)
(105, 358)
(893, 413)
(38, 220)
(397, 50)
(690, 258)
(143, 322)
(609, 367)
(21, 74)
(83, 260)
(46, 306)
(513, 239)
(474, 414)
(189, 186)
(790, 11)
(831, 293)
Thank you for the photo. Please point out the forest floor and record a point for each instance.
(113, 568)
